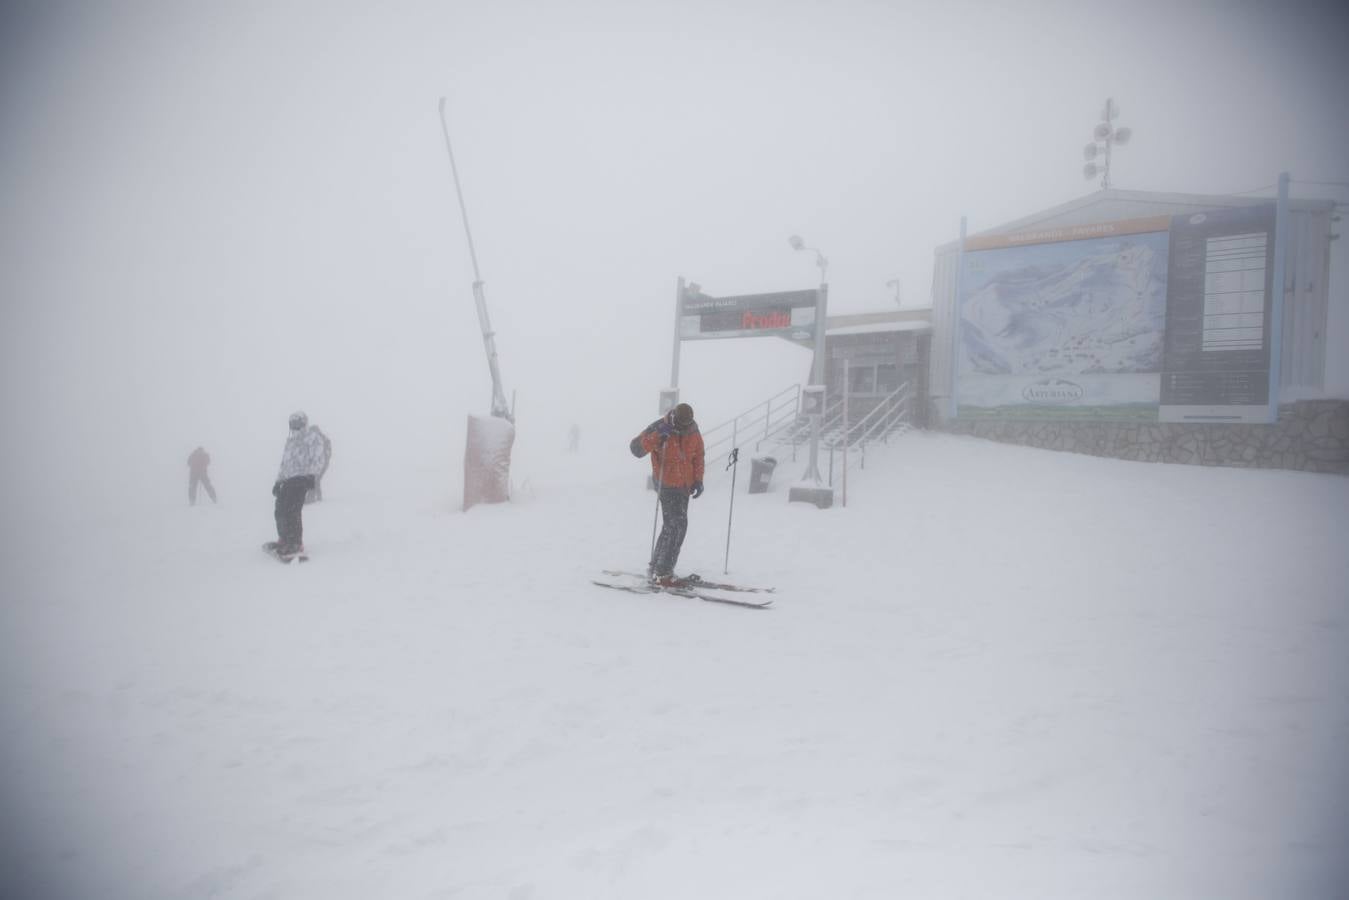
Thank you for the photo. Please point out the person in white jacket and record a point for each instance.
(301, 462)
(315, 494)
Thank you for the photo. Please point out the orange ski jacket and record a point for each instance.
(676, 461)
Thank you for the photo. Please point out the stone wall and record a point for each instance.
(1310, 436)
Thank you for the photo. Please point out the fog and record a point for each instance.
(215, 216)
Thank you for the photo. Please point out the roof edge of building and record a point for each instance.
(1155, 198)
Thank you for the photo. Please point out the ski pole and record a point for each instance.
(655, 516)
(731, 464)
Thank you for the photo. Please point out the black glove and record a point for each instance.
(664, 429)
(697, 490)
(276, 489)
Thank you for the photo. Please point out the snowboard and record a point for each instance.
(270, 549)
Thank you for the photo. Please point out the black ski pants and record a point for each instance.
(289, 506)
(674, 510)
(193, 480)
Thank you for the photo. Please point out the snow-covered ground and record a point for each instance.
(1000, 672)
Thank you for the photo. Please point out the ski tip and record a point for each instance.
(748, 604)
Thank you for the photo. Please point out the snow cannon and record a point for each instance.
(487, 450)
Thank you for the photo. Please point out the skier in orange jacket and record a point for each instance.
(676, 449)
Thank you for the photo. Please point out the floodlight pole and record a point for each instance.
(679, 312)
(817, 366)
(1105, 133)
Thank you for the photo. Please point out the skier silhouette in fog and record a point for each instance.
(197, 463)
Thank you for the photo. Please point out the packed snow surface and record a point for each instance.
(998, 673)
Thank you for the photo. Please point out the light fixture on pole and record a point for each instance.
(798, 244)
(1105, 137)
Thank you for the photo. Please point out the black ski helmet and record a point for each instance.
(682, 415)
(298, 420)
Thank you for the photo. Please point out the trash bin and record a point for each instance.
(760, 473)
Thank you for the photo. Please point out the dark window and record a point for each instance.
(862, 380)
(887, 378)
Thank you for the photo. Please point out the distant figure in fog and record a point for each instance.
(316, 493)
(573, 438)
(197, 464)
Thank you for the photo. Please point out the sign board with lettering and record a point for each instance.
(789, 314)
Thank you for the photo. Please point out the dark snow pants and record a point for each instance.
(289, 506)
(674, 509)
(193, 480)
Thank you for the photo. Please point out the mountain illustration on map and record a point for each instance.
(1086, 307)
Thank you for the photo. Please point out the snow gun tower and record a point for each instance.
(487, 453)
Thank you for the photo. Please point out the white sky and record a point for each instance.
(216, 214)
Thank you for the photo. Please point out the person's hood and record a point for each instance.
(690, 428)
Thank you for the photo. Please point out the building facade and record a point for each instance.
(1311, 431)
(871, 355)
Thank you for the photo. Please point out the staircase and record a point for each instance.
(888, 417)
(764, 423)
(776, 428)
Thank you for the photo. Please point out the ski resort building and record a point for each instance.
(1144, 326)
(872, 356)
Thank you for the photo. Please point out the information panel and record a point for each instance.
(1219, 286)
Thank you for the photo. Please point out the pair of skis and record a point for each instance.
(691, 586)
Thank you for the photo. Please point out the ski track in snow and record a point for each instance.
(1000, 672)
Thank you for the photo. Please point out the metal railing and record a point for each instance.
(777, 422)
(768, 419)
(890, 415)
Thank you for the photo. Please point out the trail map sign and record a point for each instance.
(1156, 319)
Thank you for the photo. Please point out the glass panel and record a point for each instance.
(887, 378)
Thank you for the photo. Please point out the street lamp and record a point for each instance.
(812, 489)
(798, 244)
(1105, 135)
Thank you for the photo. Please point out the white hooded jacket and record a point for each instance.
(303, 454)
